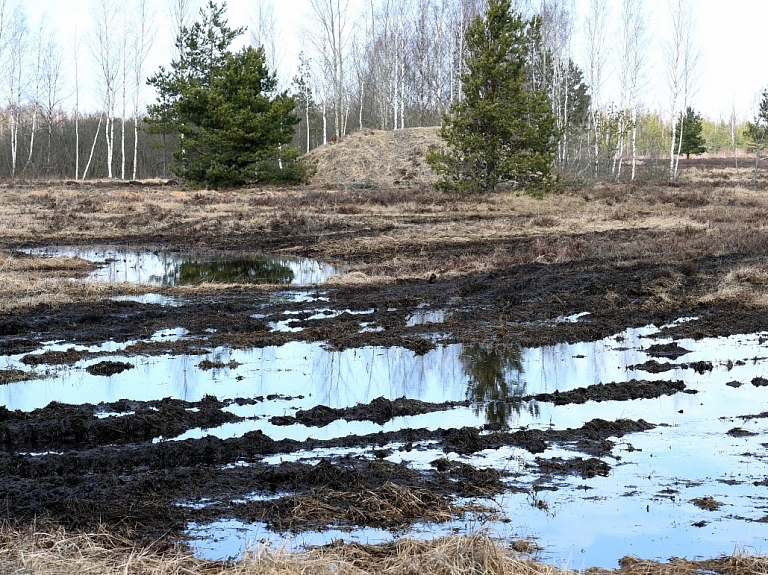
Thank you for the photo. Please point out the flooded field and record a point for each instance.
(583, 376)
(160, 268)
(643, 495)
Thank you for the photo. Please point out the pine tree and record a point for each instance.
(756, 133)
(693, 142)
(503, 130)
(233, 127)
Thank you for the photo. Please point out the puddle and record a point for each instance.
(173, 269)
(642, 508)
(151, 299)
(425, 317)
(293, 323)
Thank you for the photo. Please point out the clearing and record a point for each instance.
(364, 359)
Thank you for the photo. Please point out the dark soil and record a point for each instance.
(107, 368)
(109, 470)
(380, 410)
(83, 470)
(670, 350)
(624, 391)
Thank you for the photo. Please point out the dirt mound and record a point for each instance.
(376, 159)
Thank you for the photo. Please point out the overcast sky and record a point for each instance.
(732, 71)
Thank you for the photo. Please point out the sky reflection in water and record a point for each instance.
(173, 269)
(642, 508)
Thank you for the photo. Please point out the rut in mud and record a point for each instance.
(468, 361)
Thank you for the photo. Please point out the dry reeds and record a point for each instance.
(390, 505)
(48, 550)
(747, 284)
(54, 551)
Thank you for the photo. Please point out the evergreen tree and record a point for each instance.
(233, 127)
(756, 133)
(693, 142)
(503, 130)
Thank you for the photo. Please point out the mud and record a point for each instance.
(82, 470)
(107, 368)
(624, 391)
(380, 410)
(89, 464)
(653, 366)
(118, 465)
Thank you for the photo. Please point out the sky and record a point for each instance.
(732, 70)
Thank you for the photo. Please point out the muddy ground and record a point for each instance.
(66, 463)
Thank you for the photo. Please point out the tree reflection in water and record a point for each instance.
(494, 378)
(245, 270)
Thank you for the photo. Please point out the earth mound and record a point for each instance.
(375, 159)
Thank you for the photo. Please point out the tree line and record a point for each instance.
(386, 64)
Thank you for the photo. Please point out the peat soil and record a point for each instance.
(71, 464)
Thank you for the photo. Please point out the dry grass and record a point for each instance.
(745, 283)
(390, 505)
(382, 158)
(29, 281)
(49, 550)
(385, 234)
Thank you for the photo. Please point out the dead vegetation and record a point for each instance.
(390, 234)
(47, 550)
(391, 506)
(375, 158)
(27, 281)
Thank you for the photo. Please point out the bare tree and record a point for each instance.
(264, 33)
(681, 58)
(124, 91)
(51, 91)
(106, 46)
(596, 59)
(77, 103)
(633, 43)
(36, 78)
(331, 39)
(553, 73)
(181, 13)
(142, 44)
(17, 37)
(302, 83)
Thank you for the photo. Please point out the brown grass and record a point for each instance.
(390, 505)
(381, 158)
(745, 283)
(46, 550)
(386, 234)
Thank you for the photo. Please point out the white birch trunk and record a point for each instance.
(93, 147)
(672, 173)
(634, 142)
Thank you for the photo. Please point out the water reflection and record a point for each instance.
(494, 374)
(172, 269)
(244, 270)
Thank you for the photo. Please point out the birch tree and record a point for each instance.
(302, 83)
(51, 91)
(596, 58)
(76, 111)
(681, 58)
(17, 37)
(633, 47)
(551, 69)
(106, 44)
(264, 33)
(331, 38)
(181, 14)
(35, 80)
(142, 44)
